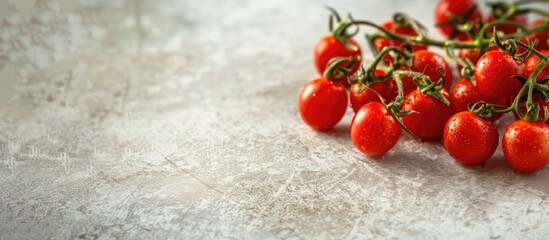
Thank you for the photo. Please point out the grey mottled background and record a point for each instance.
(178, 120)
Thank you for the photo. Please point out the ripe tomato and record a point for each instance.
(428, 63)
(322, 103)
(469, 139)
(526, 146)
(447, 8)
(464, 93)
(472, 54)
(494, 74)
(533, 62)
(431, 115)
(507, 28)
(391, 26)
(329, 47)
(374, 131)
(541, 37)
(388, 90)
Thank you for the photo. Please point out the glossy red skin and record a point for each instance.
(537, 100)
(374, 131)
(532, 63)
(431, 117)
(445, 8)
(506, 28)
(391, 26)
(471, 54)
(464, 92)
(526, 146)
(469, 139)
(329, 47)
(428, 62)
(388, 90)
(322, 103)
(494, 73)
(541, 37)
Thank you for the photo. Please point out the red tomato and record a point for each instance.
(494, 74)
(322, 103)
(471, 54)
(533, 62)
(388, 90)
(469, 139)
(408, 84)
(526, 146)
(428, 63)
(329, 47)
(447, 8)
(507, 28)
(464, 93)
(391, 26)
(431, 115)
(374, 131)
(541, 37)
(538, 100)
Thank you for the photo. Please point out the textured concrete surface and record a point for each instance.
(178, 119)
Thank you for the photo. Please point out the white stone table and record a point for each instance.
(178, 120)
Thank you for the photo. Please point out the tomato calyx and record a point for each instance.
(430, 88)
(336, 72)
(339, 30)
(486, 110)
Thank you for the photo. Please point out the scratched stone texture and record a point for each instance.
(178, 120)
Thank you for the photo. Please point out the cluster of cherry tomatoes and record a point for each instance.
(503, 65)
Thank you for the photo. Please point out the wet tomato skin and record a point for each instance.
(431, 115)
(526, 146)
(494, 75)
(388, 90)
(464, 92)
(428, 63)
(374, 131)
(330, 47)
(469, 139)
(322, 103)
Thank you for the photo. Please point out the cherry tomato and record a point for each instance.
(322, 103)
(388, 90)
(533, 62)
(526, 145)
(472, 54)
(374, 131)
(538, 100)
(464, 93)
(391, 26)
(508, 28)
(329, 47)
(494, 74)
(431, 115)
(447, 8)
(428, 63)
(541, 37)
(469, 139)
